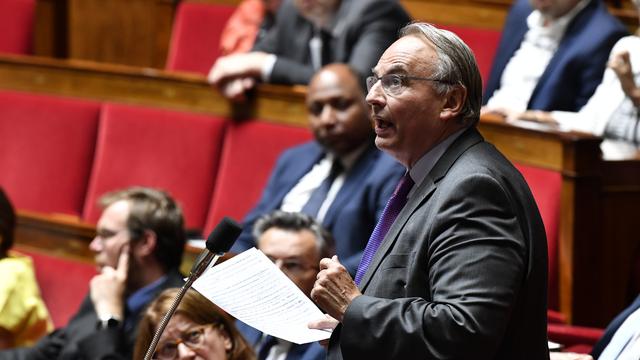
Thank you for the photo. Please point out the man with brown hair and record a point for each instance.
(138, 245)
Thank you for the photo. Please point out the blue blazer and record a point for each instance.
(613, 327)
(575, 70)
(309, 351)
(356, 208)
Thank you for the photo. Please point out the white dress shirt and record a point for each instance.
(298, 196)
(529, 62)
(609, 104)
(625, 340)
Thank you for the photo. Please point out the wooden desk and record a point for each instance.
(145, 86)
(599, 194)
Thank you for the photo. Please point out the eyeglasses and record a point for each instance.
(394, 84)
(193, 338)
(292, 266)
(103, 234)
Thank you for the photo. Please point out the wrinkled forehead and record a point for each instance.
(409, 54)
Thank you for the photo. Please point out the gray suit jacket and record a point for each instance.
(361, 31)
(462, 273)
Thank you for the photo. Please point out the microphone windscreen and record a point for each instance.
(223, 236)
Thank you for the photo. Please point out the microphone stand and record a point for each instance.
(201, 265)
(218, 243)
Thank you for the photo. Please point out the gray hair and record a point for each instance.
(456, 66)
(294, 221)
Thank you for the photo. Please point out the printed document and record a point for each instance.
(252, 289)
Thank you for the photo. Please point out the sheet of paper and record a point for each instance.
(252, 289)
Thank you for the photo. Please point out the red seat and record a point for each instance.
(195, 37)
(248, 156)
(174, 151)
(579, 339)
(483, 43)
(16, 26)
(545, 186)
(63, 284)
(46, 150)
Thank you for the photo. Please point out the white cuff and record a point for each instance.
(267, 68)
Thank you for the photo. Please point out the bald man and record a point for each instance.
(340, 178)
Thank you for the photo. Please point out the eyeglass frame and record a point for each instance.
(293, 266)
(371, 80)
(177, 341)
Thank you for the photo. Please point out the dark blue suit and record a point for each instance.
(613, 327)
(356, 208)
(575, 70)
(309, 351)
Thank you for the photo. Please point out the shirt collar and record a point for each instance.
(559, 25)
(347, 161)
(424, 165)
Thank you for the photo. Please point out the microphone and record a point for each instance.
(217, 244)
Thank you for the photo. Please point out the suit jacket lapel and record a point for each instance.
(467, 139)
(354, 179)
(566, 43)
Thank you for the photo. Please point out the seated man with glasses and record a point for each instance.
(295, 242)
(198, 328)
(138, 246)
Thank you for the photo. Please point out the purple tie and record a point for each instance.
(389, 214)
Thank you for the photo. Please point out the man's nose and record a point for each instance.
(376, 96)
(95, 245)
(328, 115)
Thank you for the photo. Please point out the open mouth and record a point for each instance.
(383, 124)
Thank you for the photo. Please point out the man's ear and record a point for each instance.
(146, 245)
(454, 101)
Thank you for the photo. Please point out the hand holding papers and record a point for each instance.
(253, 290)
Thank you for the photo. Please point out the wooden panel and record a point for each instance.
(488, 15)
(132, 32)
(145, 87)
(61, 235)
(50, 33)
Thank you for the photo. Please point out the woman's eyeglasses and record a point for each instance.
(193, 338)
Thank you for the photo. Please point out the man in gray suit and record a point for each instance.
(310, 34)
(457, 265)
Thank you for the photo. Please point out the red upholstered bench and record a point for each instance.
(16, 26)
(545, 186)
(483, 43)
(46, 150)
(579, 339)
(174, 151)
(242, 177)
(63, 284)
(195, 37)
